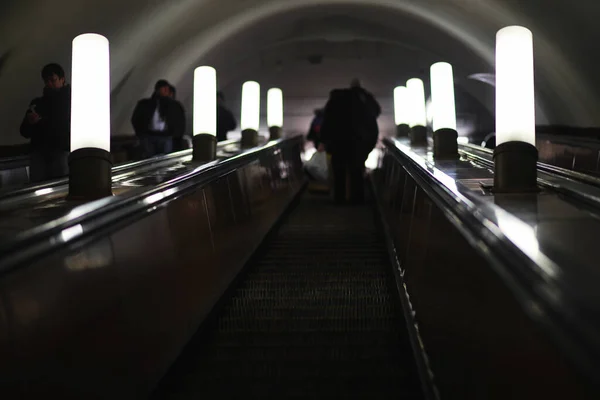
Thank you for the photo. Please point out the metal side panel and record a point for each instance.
(146, 263)
(58, 310)
(195, 265)
(480, 342)
(14, 176)
(105, 316)
(10, 379)
(477, 335)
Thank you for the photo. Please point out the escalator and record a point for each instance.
(316, 315)
(160, 291)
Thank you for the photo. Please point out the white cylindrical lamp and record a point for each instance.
(250, 114)
(205, 114)
(515, 155)
(402, 106)
(275, 112)
(445, 137)
(90, 161)
(418, 113)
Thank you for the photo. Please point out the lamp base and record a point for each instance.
(249, 138)
(445, 145)
(204, 148)
(402, 130)
(418, 135)
(90, 174)
(515, 168)
(274, 133)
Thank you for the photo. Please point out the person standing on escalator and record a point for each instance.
(47, 124)
(314, 133)
(349, 133)
(158, 120)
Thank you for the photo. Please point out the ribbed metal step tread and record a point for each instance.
(296, 388)
(315, 317)
(306, 339)
(353, 365)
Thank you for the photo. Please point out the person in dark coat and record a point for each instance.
(350, 133)
(47, 124)
(158, 120)
(225, 120)
(314, 133)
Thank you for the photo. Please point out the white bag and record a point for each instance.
(317, 167)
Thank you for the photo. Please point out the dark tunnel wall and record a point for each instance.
(307, 85)
(151, 39)
(317, 49)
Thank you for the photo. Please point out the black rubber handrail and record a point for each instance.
(8, 163)
(485, 155)
(119, 169)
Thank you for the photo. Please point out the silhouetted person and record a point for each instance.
(314, 133)
(225, 120)
(48, 124)
(178, 140)
(158, 120)
(490, 141)
(350, 133)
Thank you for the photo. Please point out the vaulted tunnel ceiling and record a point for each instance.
(151, 39)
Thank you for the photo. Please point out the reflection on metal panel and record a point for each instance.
(465, 281)
(108, 312)
(71, 233)
(89, 258)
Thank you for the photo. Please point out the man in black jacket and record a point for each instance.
(47, 124)
(225, 120)
(158, 120)
(314, 133)
(350, 133)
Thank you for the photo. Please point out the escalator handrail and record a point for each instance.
(442, 190)
(8, 163)
(576, 141)
(575, 185)
(528, 281)
(121, 168)
(89, 218)
(486, 155)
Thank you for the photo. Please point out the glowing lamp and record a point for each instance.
(275, 112)
(250, 106)
(90, 93)
(275, 107)
(250, 113)
(444, 111)
(418, 114)
(402, 107)
(416, 90)
(442, 96)
(205, 101)
(515, 155)
(205, 114)
(90, 161)
(515, 102)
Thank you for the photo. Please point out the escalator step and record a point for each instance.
(315, 317)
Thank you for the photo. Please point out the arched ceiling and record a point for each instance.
(151, 39)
